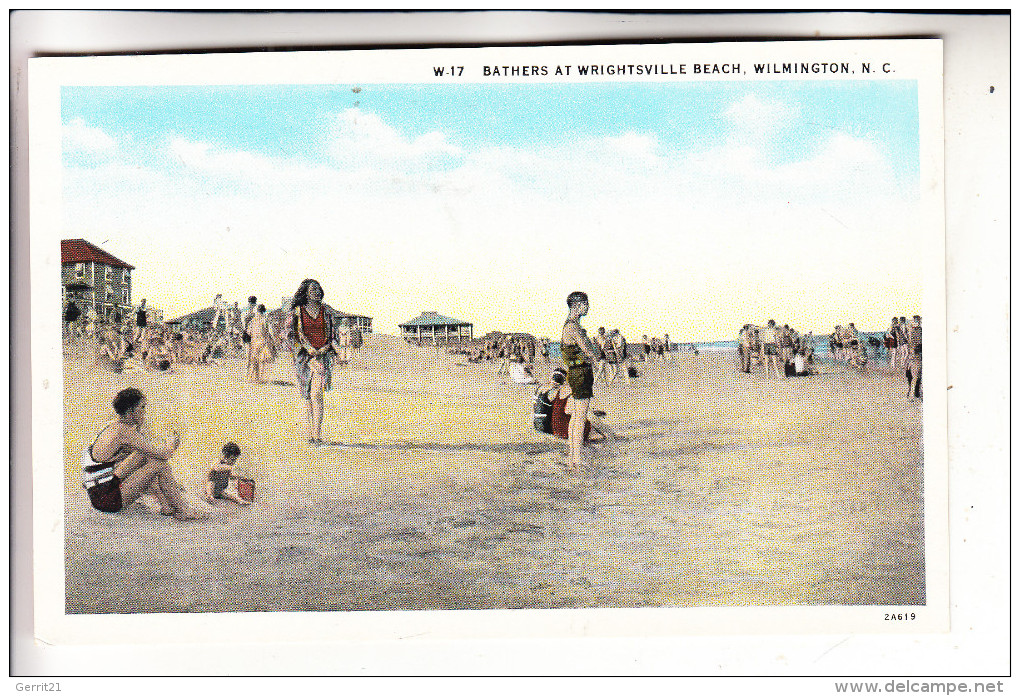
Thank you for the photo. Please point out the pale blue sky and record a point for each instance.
(704, 187)
(290, 120)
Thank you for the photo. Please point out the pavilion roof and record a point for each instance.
(434, 319)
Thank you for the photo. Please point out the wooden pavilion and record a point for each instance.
(434, 328)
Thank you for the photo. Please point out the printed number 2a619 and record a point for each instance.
(908, 616)
(448, 70)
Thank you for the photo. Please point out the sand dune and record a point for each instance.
(731, 490)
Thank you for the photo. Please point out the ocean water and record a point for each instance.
(821, 345)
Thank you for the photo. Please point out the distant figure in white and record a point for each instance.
(261, 348)
(219, 310)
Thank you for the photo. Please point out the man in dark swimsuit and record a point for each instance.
(579, 355)
(913, 363)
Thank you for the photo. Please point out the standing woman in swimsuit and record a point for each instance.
(312, 342)
(579, 355)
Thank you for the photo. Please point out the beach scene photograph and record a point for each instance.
(583, 344)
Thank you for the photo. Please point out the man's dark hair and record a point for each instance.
(576, 297)
(231, 450)
(262, 308)
(127, 399)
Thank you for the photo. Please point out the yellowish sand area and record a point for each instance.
(731, 489)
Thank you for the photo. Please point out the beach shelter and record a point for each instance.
(433, 327)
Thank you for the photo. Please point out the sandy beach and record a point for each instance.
(730, 489)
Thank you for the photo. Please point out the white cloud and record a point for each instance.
(753, 116)
(362, 138)
(205, 158)
(633, 145)
(80, 137)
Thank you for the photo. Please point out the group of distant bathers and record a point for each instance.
(785, 352)
(781, 350)
(903, 341)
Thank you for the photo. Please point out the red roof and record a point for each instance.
(80, 251)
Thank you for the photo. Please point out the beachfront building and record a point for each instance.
(98, 282)
(434, 328)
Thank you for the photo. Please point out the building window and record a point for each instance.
(79, 270)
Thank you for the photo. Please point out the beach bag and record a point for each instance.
(246, 489)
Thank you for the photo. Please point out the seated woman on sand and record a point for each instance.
(158, 356)
(800, 366)
(123, 463)
(553, 406)
(111, 350)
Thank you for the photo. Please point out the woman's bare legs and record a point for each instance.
(138, 474)
(165, 506)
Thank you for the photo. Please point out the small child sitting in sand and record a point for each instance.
(220, 473)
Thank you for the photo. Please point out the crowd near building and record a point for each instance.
(95, 281)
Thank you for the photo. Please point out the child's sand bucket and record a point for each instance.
(246, 489)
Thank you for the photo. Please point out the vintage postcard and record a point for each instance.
(601, 340)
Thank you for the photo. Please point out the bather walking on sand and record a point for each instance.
(579, 355)
(311, 335)
(260, 348)
(601, 344)
(123, 463)
(913, 363)
(768, 337)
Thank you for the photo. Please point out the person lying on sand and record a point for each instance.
(520, 372)
(123, 463)
(220, 472)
